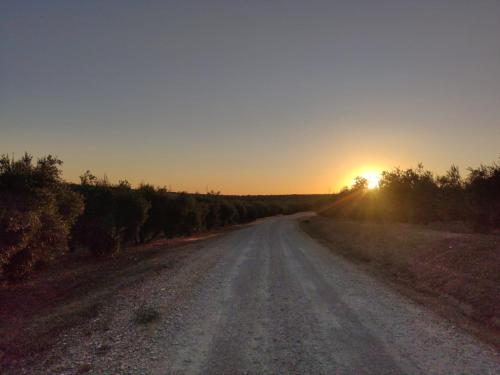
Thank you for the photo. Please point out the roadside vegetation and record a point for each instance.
(416, 195)
(37, 213)
(435, 238)
(43, 217)
(67, 249)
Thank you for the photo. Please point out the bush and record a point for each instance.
(212, 217)
(113, 216)
(40, 213)
(409, 195)
(228, 213)
(483, 193)
(415, 195)
(37, 211)
(452, 205)
(159, 201)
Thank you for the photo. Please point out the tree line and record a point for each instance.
(42, 216)
(416, 195)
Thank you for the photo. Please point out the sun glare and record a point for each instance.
(372, 177)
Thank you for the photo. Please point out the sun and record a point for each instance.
(372, 177)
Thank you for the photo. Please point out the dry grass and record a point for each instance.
(456, 274)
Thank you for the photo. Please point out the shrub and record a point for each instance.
(212, 217)
(483, 193)
(113, 216)
(452, 205)
(191, 214)
(242, 210)
(37, 211)
(228, 213)
(415, 195)
(159, 201)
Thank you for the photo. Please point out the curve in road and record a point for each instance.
(278, 302)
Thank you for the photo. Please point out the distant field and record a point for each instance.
(456, 274)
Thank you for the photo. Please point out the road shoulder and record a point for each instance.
(78, 305)
(425, 266)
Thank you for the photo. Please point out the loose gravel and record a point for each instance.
(265, 299)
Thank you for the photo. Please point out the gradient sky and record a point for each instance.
(250, 96)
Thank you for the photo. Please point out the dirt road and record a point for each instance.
(268, 299)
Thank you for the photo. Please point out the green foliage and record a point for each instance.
(228, 213)
(159, 201)
(113, 216)
(40, 213)
(483, 195)
(37, 211)
(415, 195)
(184, 215)
(451, 201)
(409, 195)
(116, 215)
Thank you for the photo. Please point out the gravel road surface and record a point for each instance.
(267, 299)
